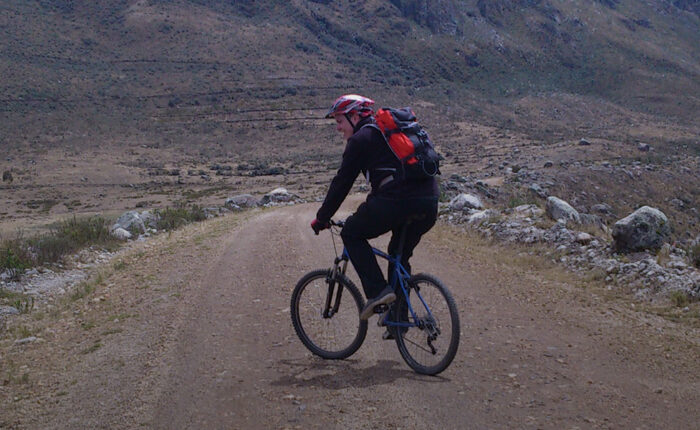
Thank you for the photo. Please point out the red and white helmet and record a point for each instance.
(351, 103)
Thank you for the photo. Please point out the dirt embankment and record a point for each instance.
(192, 330)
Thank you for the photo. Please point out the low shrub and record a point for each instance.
(70, 236)
(64, 238)
(679, 298)
(695, 255)
(14, 257)
(173, 218)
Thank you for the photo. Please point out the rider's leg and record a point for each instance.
(414, 232)
(426, 206)
(372, 219)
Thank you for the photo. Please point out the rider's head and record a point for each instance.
(348, 110)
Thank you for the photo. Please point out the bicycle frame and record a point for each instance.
(400, 277)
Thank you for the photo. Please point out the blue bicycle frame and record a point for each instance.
(400, 276)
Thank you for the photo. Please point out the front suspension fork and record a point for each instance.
(339, 267)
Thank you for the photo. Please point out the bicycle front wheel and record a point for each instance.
(326, 315)
(430, 347)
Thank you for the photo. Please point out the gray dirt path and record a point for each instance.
(195, 333)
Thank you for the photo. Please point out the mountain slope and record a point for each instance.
(104, 96)
(134, 57)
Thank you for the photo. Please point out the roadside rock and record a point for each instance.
(536, 189)
(121, 234)
(584, 238)
(527, 211)
(214, 212)
(26, 340)
(648, 275)
(479, 217)
(645, 228)
(466, 202)
(150, 220)
(602, 208)
(241, 202)
(558, 209)
(277, 196)
(8, 310)
(130, 221)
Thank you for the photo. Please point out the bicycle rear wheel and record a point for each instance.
(430, 347)
(334, 336)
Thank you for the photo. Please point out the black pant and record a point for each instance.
(380, 215)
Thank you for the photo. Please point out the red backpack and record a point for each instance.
(409, 142)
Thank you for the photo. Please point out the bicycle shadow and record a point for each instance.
(340, 374)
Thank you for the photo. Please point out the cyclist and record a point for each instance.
(390, 204)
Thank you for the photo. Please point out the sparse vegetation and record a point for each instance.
(173, 218)
(695, 255)
(24, 305)
(14, 257)
(64, 238)
(82, 290)
(679, 298)
(19, 301)
(44, 205)
(92, 348)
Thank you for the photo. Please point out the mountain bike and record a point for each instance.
(326, 304)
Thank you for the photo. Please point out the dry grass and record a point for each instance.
(530, 264)
(472, 246)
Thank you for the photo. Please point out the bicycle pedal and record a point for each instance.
(380, 309)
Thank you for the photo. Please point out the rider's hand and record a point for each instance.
(317, 226)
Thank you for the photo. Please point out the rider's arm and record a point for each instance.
(352, 164)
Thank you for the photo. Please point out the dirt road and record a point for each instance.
(193, 331)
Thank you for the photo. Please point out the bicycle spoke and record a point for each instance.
(419, 346)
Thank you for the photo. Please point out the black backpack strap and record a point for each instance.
(386, 169)
(386, 139)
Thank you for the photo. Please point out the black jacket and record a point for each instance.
(368, 152)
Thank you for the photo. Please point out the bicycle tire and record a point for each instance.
(429, 357)
(331, 338)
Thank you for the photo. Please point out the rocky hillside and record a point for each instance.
(116, 100)
(90, 66)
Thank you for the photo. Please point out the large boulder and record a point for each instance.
(559, 210)
(130, 221)
(465, 202)
(150, 219)
(278, 195)
(480, 217)
(241, 201)
(121, 234)
(645, 228)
